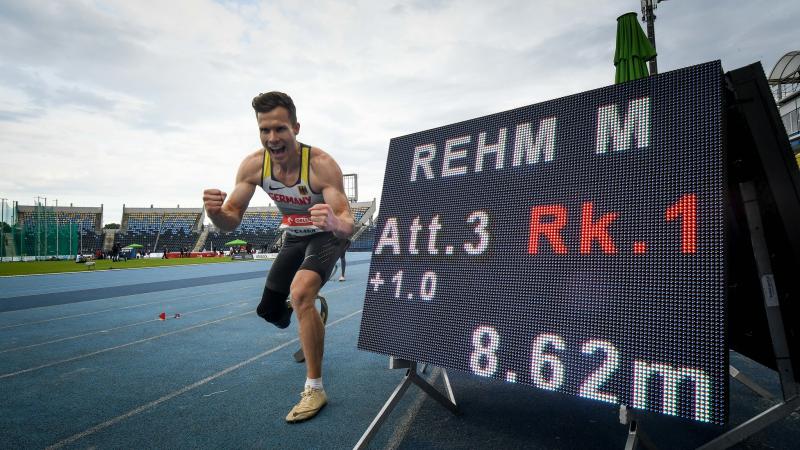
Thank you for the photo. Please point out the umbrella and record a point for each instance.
(633, 50)
(235, 242)
(134, 246)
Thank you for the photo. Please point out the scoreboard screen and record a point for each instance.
(575, 245)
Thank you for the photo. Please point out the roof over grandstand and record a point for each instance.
(66, 209)
(129, 210)
(786, 70)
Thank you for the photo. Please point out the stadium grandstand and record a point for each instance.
(45, 232)
(155, 229)
(260, 228)
(363, 213)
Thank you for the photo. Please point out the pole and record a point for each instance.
(3, 230)
(38, 242)
(648, 16)
(44, 211)
(58, 231)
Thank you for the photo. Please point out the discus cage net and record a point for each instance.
(36, 232)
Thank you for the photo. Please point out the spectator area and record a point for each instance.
(159, 228)
(259, 228)
(173, 229)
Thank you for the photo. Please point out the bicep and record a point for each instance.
(330, 176)
(246, 181)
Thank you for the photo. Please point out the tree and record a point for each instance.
(111, 226)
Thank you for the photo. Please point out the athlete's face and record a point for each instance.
(278, 133)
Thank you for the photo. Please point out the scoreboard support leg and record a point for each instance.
(790, 401)
(750, 384)
(411, 377)
(636, 436)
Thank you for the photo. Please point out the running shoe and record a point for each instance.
(311, 402)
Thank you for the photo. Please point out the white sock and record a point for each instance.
(314, 383)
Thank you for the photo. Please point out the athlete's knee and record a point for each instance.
(303, 298)
(273, 308)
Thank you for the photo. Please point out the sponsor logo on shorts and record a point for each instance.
(298, 224)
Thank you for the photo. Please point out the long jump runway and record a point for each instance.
(85, 362)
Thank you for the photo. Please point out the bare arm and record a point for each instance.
(227, 215)
(334, 215)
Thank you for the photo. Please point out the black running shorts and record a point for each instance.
(318, 252)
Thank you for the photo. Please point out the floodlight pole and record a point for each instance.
(648, 16)
(15, 218)
(36, 205)
(2, 228)
(44, 211)
(58, 248)
(39, 227)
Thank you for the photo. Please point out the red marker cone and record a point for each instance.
(162, 316)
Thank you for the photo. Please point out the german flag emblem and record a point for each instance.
(303, 190)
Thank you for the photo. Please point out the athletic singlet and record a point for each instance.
(293, 201)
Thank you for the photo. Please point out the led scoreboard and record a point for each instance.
(575, 245)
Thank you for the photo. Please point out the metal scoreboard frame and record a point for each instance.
(576, 245)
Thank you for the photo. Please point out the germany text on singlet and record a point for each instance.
(293, 201)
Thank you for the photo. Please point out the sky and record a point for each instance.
(148, 102)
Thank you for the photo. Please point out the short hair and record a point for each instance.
(263, 103)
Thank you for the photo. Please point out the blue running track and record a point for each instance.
(85, 363)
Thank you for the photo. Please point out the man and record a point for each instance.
(306, 185)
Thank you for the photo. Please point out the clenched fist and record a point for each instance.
(213, 200)
(322, 217)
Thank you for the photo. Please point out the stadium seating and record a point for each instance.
(364, 241)
(140, 228)
(259, 228)
(176, 231)
(358, 211)
(157, 229)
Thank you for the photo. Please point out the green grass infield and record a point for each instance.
(37, 267)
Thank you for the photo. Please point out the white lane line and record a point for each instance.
(58, 287)
(86, 355)
(215, 393)
(183, 390)
(114, 329)
(74, 272)
(179, 298)
(115, 298)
